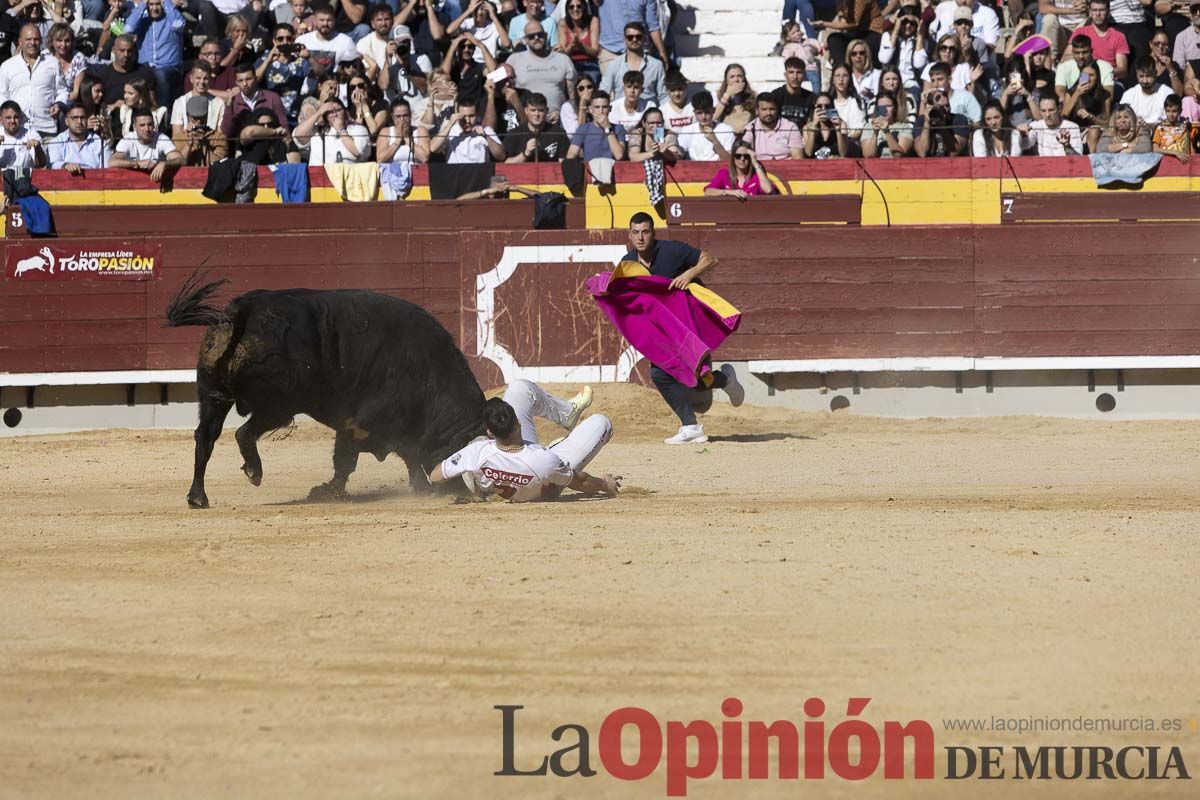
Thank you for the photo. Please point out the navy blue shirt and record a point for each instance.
(670, 259)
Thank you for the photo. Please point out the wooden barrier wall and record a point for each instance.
(1037, 290)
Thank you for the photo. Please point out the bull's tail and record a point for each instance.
(190, 304)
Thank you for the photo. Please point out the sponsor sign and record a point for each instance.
(123, 262)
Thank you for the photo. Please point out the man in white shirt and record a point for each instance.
(627, 110)
(201, 83)
(150, 151)
(705, 140)
(19, 146)
(464, 140)
(33, 80)
(324, 40)
(513, 465)
(1066, 74)
(1053, 135)
(677, 111)
(76, 148)
(374, 45)
(1148, 97)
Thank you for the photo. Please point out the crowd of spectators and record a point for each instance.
(156, 84)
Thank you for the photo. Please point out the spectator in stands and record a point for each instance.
(265, 140)
(1187, 40)
(1052, 135)
(1067, 73)
(427, 21)
(10, 33)
(825, 136)
(537, 139)
(792, 98)
(856, 19)
(961, 100)
(375, 46)
(20, 147)
(706, 139)
(1173, 136)
(996, 137)
(676, 109)
(330, 137)
(405, 72)
(573, 112)
(635, 59)
(535, 11)
(1148, 97)
(480, 21)
(149, 150)
(1173, 17)
(985, 25)
(138, 96)
(888, 136)
(201, 145)
(890, 80)
(243, 41)
(743, 177)
(1126, 134)
(950, 55)
(629, 106)
(281, 70)
(1060, 18)
(224, 80)
(939, 131)
(1129, 17)
(442, 96)
(1108, 43)
(735, 99)
(201, 74)
(771, 136)
(976, 54)
(76, 148)
(904, 46)
(324, 39)
(794, 42)
(1018, 99)
(579, 38)
(71, 62)
(1088, 105)
(1169, 73)
(91, 97)
(862, 70)
(461, 65)
(541, 70)
(464, 140)
(32, 80)
(366, 105)
(1039, 64)
(248, 98)
(158, 26)
(599, 137)
(651, 139)
(615, 19)
(396, 143)
(847, 104)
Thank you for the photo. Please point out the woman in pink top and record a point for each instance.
(744, 177)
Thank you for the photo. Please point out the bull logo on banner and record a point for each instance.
(43, 262)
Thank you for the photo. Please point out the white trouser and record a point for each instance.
(530, 401)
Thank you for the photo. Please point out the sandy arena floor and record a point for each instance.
(270, 647)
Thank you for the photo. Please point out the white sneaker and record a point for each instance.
(579, 404)
(733, 388)
(688, 434)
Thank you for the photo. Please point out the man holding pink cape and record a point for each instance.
(656, 301)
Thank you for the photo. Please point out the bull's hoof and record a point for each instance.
(327, 491)
(197, 501)
(253, 473)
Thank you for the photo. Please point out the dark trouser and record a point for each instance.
(1138, 35)
(678, 396)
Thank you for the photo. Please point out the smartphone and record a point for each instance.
(832, 116)
(659, 135)
(288, 49)
(497, 75)
(1084, 80)
(880, 113)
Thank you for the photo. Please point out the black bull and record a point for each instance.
(380, 371)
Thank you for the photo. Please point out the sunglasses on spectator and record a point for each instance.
(358, 86)
(633, 37)
(964, 22)
(947, 47)
(283, 39)
(540, 35)
(740, 156)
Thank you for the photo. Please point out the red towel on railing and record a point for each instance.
(675, 329)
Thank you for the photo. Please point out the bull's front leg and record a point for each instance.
(345, 460)
(418, 479)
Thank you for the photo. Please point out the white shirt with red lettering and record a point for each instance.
(531, 473)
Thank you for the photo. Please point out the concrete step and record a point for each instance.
(728, 20)
(763, 72)
(727, 45)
